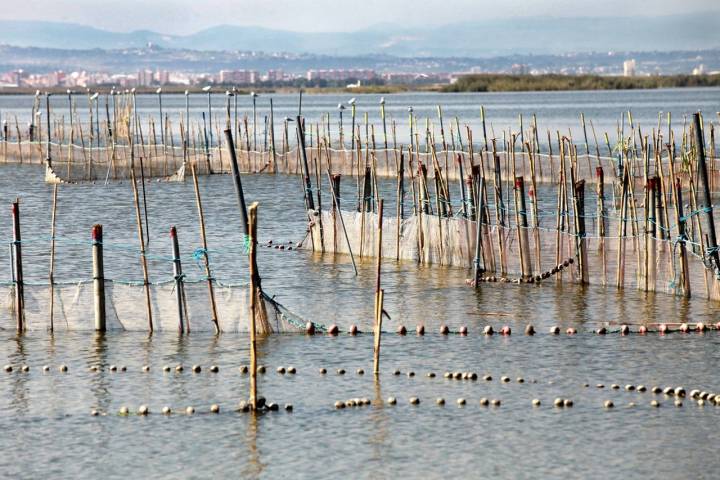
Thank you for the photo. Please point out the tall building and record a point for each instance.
(629, 68)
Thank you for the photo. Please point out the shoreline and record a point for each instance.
(480, 83)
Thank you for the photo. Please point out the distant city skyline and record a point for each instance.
(190, 16)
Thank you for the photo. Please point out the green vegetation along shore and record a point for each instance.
(552, 82)
(465, 83)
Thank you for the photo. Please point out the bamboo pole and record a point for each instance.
(17, 268)
(203, 239)
(179, 283)
(143, 259)
(378, 292)
(336, 201)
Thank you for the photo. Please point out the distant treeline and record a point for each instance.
(522, 83)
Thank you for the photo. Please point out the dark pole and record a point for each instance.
(702, 170)
(236, 180)
(309, 203)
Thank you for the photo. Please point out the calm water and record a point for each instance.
(49, 432)
(554, 110)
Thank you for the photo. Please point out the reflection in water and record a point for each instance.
(379, 433)
(99, 382)
(20, 393)
(254, 466)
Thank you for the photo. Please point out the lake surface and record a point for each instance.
(46, 415)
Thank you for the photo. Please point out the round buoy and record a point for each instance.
(46, 368)
(599, 385)
(655, 404)
(402, 330)
(261, 369)
(700, 327)
(214, 408)
(629, 388)
(448, 375)
(123, 368)
(555, 330)
(143, 410)
(113, 368)
(440, 401)
(414, 401)
(615, 386)
(461, 401)
(288, 407)
(25, 369)
(214, 369)
(473, 376)
(484, 402)
(124, 411)
(624, 330)
(190, 410)
(559, 402)
(431, 375)
(310, 328)
(567, 402)
(360, 371)
(94, 413)
(444, 330)
(609, 404)
(656, 390)
(642, 330)
(196, 368)
(601, 331)
(678, 403)
(520, 380)
(179, 368)
(487, 378)
(641, 388)
(631, 404)
(244, 406)
(495, 402)
(353, 330)
(166, 410)
(341, 371)
(679, 392)
(505, 330)
(281, 370)
(339, 405)
(244, 369)
(488, 330)
(662, 329)
(411, 374)
(166, 368)
(684, 328)
(333, 330)
(8, 368)
(571, 331)
(701, 402)
(504, 379)
(420, 329)
(457, 375)
(463, 330)
(529, 330)
(536, 402)
(391, 400)
(146, 368)
(323, 371)
(669, 391)
(694, 393)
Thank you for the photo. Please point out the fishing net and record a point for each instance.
(638, 261)
(126, 307)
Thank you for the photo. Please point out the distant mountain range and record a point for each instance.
(537, 35)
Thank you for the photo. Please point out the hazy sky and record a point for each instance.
(187, 16)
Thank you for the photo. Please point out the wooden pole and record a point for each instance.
(17, 268)
(179, 283)
(236, 180)
(98, 277)
(378, 292)
(203, 238)
(580, 232)
(253, 306)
